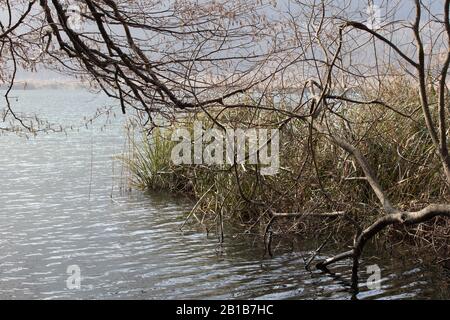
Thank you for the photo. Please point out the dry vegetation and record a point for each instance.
(316, 176)
(362, 107)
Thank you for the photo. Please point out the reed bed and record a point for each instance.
(315, 176)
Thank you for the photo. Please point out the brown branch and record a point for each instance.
(19, 21)
(334, 214)
(400, 218)
(443, 92)
(365, 166)
(363, 27)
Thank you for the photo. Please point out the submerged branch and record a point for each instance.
(401, 218)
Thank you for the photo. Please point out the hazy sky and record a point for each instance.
(358, 11)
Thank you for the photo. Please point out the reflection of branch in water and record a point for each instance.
(316, 252)
(352, 284)
(268, 244)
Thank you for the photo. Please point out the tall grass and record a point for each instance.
(315, 175)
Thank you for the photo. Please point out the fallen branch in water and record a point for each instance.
(393, 216)
(276, 215)
(316, 252)
(400, 218)
(279, 215)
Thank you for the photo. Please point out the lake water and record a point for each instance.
(61, 206)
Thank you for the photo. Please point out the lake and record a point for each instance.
(63, 206)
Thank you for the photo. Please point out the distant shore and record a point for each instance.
(44, 84)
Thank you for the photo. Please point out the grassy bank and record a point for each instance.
(315, 176)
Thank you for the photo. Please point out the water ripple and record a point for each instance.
(53, 214)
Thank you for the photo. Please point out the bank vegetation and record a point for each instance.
(359, 94)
